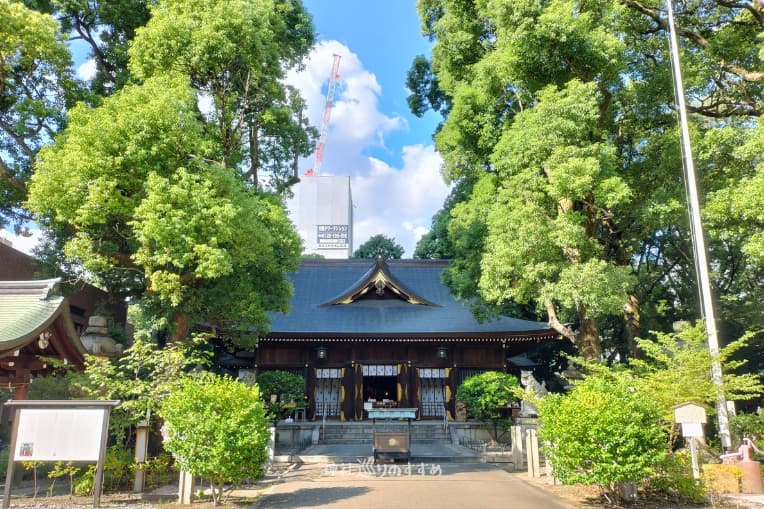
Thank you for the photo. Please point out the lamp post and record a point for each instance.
(699, 245)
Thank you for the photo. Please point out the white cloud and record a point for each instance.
(24, 243)
(397, 202)
(87, 70)
(355, 116)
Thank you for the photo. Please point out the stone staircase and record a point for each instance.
(422, 432)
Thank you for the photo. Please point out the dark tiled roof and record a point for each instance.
(320, 281)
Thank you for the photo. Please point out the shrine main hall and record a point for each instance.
(386, 331)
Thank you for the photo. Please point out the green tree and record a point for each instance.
(603, 433)
(379, 245)
(36, 87)
(675, 369)
(436, 244)
(487, 394)
(288, 388)
(285, 385)
(140, 378)
(237, 53)
(152, 215)
(596, 210)
(217, 430)
(105, 28)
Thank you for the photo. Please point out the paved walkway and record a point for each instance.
(344, 453)
(423, 485)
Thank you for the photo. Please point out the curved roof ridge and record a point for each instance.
(380, 277)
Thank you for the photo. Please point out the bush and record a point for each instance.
(217, 429)
(720, 478)
(486, 393)
(673, 477)
(83, 486)
(602, 433)
(748, 425)
(118, 468)
(286, 386)
(158, 470)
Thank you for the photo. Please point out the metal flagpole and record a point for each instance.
(698, 240)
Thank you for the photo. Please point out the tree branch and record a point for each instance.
(555, 324)
(8, 177)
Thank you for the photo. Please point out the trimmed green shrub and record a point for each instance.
(217, 429)
(602, 433)
(486, 393)
(287, 387)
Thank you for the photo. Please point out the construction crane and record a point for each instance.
(333, 77)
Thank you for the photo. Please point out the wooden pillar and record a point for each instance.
(416, 392)
(349, 393)
(452, 385)
(21, 391)
(404, 390)
(358, 391)
(310, 378)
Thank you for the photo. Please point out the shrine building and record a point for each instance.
(385, 332)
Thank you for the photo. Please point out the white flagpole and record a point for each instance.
(697, 237)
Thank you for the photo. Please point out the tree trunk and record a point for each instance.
(588, 336)
(632, 327)
(181, 326)
(254, 150)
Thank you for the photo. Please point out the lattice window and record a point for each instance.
(328, 392)
(468, 372)
(433, 382)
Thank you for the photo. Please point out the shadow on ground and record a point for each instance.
(309, 497)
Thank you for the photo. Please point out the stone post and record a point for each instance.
(532, 448)
(185, 487)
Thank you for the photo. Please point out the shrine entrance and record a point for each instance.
(380, 385)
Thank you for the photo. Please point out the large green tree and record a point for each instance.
(562, 113)
(236, 53)
(36, 86)
(155, 215)
(379, 245)
(149, 192)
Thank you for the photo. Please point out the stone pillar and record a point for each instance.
(185, 488)
(516, 435)
(532, 448)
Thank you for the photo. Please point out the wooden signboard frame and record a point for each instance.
(69, 410)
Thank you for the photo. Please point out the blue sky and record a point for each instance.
(386, 36)
(373, 138)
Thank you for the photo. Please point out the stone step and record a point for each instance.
(368, 438)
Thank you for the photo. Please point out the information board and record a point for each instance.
(59, 434)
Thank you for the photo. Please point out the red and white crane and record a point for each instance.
(333, 77)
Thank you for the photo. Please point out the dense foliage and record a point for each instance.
(154, 189)
(487, 394)
(558, 116)
(217, 430)
(140, 378)
(286, 386)
(379, 245)
(32, 104)
(604, 432)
